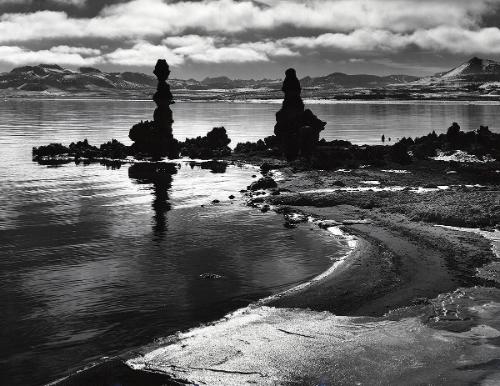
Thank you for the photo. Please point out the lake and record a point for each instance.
(96, 261)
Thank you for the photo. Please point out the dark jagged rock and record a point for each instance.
(263, 183)
(268, 145)
(110, 153)
(297, 130)
(213, 145)
(155, 137)
(478, 142)
(250, 147)
(266, 167)
(50, 150)
(114, 149)
(214, 166)
(82, 149)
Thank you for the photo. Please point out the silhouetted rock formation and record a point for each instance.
(480, 142)
(269, 144)
(297, 129)
(155, 137)
(213, 145)
(111, 153)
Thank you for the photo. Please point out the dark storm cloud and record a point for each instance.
(74, 8)
(316, 34)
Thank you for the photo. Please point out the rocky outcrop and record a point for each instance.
(213, 145)
(263, 183)
(154, 138)
(296, 129)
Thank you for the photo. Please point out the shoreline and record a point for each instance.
(111, 369)
(359, 247)
(393, 269)
(310, 101)
(386, 272)
(403, 271)
(195, 356)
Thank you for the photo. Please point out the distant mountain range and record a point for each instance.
(53, 77)
(477, 76)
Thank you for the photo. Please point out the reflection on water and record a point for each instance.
(96, 261)
(160, 176)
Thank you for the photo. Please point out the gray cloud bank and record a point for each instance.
(135, 33)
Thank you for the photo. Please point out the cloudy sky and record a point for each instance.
(250, 39)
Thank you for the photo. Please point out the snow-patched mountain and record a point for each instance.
(474, 71)
(47, 77)
(51, 77)
(476, 78)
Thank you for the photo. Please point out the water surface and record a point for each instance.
(95, 261)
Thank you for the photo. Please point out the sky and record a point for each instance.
(250, 39)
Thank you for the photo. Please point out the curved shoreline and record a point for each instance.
(269, 343)
(116, 365)
(357, 249)
(401, 263)
(360, 284)
(268, 313)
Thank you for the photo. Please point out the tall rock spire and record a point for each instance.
(296, 129)
(155, 138)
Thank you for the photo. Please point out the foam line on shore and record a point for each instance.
(374, 188)
(352, 244)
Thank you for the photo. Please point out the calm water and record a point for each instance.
(95, 261)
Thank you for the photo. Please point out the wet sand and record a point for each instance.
(397, 262)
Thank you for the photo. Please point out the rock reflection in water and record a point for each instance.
(160, 176)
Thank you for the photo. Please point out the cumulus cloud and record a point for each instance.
(338, 15)
(77, 3)
(19, 55)
(219, 50)
(137, 19)
(143, 53)
(360, 40)
(246, 31)
(440, 39)
(76, 50)
(201, 49)
(459, 41)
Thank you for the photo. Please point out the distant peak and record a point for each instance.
(475, 60)
(88, 70)
(216, 78)
(51, 66)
